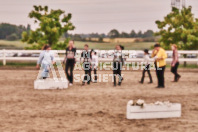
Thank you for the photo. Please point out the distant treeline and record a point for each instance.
(147, 35)
(12, 32)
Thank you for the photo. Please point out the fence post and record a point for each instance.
(4, 57)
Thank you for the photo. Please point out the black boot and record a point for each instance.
(141, 82)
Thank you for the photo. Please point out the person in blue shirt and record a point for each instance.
(46, 59)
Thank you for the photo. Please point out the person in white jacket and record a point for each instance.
(94, 63)
(147, 66)
(46, 59)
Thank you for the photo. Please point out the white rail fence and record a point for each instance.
(104, 55)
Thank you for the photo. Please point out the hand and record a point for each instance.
(172, 65)
(37, 66)
(159, 59)
(64, 61)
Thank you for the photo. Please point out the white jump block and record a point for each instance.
(50, 84)
(153, 111)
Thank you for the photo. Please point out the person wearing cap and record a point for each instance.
(46, 59)
(160, 56)
(147, 66)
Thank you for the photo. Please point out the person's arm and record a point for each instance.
(153, 53)
(75, 55)
(96, 59)
(122, 58)
(82, 56)
(41, 56)
(175, 58)
(64, 61)
(161, 55)
(52, 57)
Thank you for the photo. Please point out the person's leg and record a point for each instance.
(119, 74)
(150, 77)
(95, 74)
(162, 76)
(177, 75)
(66, 70)
(89, 76)
(90, 73)
(114, 79)
(158, 75)
(85, 76)
(143, 75)
(45, 72)
(115, 68)
(173, 71)
(156, 68)
(71, 72)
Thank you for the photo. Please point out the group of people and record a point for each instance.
(160, 56)
(89, 61)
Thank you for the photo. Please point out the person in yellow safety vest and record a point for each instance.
(159, 54)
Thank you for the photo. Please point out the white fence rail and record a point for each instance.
(104, 55)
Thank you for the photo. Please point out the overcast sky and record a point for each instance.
(96, 15)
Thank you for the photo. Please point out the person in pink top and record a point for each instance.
(175, 63)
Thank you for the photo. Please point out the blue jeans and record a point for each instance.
(45, 70)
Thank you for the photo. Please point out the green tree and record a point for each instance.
(52, 25)
(124, 35)
(12, 37)
(133, 34)
(148, 34)
(114, 34)
(139, 34)
(179, 27)
(10, 31)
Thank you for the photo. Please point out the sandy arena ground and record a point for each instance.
(94, 108)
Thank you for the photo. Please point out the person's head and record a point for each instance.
(146, 51)
(157, 46)
(121, 47)
(71, 43)
(46, 47)
(95, 53)
(92, 52)
(86, 47)
(117, 47)
(173, 46)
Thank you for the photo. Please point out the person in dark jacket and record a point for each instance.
(70, 61)
(118, 62)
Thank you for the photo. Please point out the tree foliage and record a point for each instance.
(179, 27)
(114, 33)
(52, 25)
(12, 32)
